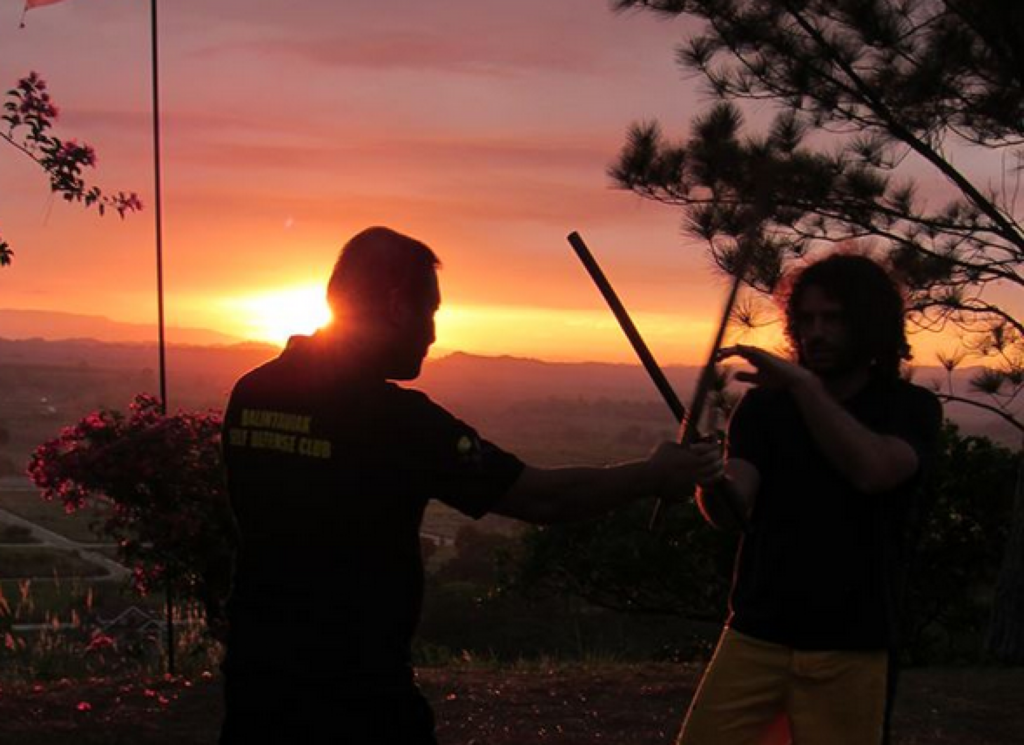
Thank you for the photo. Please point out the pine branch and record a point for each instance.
(1004, 415)
(864, 92)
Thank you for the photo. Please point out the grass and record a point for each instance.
(45, 561)
(39, 601)
(78, 641)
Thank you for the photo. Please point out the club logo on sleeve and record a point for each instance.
(468, 449)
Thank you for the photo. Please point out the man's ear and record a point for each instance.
(397, 307)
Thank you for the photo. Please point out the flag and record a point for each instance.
(29, 4)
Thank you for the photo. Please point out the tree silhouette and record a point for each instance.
(871, 95)
(29, 113)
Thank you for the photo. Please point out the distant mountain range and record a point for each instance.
(54, 338)
(54, 326)
(456, 379)
(472, 386)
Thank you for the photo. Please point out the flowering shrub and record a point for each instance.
(29, 114)
(161, 476)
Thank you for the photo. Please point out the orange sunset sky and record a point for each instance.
(483, 128)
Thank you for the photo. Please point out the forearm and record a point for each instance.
(553, 495)
(871, 461)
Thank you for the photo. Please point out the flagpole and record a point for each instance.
(162, 344)
(158, 209)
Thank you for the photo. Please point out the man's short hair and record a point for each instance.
(372, 264)
(872, 302)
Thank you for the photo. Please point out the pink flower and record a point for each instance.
(71, 154)
(99, 642)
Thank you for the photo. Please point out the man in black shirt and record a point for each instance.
(330, 467)
(824, 458)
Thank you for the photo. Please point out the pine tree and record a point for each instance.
(867, 92)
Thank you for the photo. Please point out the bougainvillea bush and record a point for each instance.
(161, 477)
(28, 115)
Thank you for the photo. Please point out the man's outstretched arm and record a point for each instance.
(552, 495)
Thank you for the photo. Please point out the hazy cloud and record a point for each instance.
(425, 51)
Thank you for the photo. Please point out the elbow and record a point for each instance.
(878, 480)
(886, 467)
(871, 484)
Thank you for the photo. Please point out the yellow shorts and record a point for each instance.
(757, 693)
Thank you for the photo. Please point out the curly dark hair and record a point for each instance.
(872, 303)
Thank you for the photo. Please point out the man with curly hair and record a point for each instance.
(824, 457)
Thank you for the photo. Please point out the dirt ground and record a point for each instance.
(560, 705)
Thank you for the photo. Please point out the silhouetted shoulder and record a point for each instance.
(421, 415)
(258, 376)
(923, 396)
(918, 402)
(299, 367)
(418, 401)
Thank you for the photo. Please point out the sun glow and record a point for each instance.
(567, 335)
(274, 316)
(556, 334)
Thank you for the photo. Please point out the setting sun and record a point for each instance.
(275, 316)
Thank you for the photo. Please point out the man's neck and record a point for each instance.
(356, 352)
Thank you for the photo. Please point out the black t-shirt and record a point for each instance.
(821, 566)
(329, 472)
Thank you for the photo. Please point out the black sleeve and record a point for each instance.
(456, 465)
(916, 418)
(746, 439)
